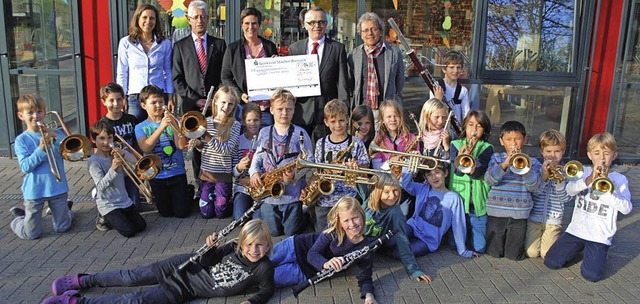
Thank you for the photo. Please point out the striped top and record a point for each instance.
(510, 194)
(217, 155)
(548, 204)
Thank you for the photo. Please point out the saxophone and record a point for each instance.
(272, 181)
(397, 170)
(322, 186)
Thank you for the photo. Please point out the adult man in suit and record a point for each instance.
(197, 61)
(332, 57)
(376, 69)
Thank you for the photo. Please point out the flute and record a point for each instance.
(349, 259)
(446, 125)
(222, 233)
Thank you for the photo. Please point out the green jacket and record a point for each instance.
(472, 185)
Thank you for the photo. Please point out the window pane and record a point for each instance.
(530, 35)
(432, 28)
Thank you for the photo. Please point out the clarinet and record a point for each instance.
(426, 75)
(349, 259)
(221, 234)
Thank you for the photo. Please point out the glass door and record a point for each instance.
(624, 120)
(44, 58)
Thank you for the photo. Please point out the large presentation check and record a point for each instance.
(298, 74)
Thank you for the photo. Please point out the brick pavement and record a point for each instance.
(27, 268)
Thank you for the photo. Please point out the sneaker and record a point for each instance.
(16, 212)
(101, 224)
(47, 211)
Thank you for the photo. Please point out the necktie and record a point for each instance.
(314, 51)
(202, 57)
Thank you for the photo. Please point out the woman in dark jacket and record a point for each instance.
(250, 46)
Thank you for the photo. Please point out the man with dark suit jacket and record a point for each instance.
(194, 75)
(197, 61)
(332, 57)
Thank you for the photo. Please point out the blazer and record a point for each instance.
(233, 70)
(333, 81)
(188, 81)
(393, 74)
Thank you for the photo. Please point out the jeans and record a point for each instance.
(241, 203)
(215, 198)
(127, 221)
(134, 107)
(594, 261)
(140, 276)
(476, 232)
(283, 219)
(505, 237)
(540, 237)
(287, 272)
(29, 226)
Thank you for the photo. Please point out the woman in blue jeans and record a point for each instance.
(144, 58)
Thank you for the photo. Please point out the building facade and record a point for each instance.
(568, 65)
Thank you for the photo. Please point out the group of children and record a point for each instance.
(492, 208)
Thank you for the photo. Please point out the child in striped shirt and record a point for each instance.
(545, 220)
(219, 145)
(509, 201)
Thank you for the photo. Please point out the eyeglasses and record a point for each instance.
(199, 17)
(313, 23)
(372, 30)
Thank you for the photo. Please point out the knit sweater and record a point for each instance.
(510, 194)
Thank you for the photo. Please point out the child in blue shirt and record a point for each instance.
(39, 185)
(545, 220)
(156, 135)
(437, 210)
(509, 201)
(300, 257)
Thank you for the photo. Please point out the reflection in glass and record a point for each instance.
(530, 35)
(626, 122)
(58, 91)
(42, 35)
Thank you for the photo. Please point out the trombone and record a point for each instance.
(350, 178)
(520, 163)
(411, 161)
(74, 147)
(146, 167)
(465, 162)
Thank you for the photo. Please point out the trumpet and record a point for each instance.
(520, 162)
(74, 147)
(602, 185)
(146, 167)
(350, 178)
(556, 174)
(573, 170)
(412, 161)
(465, 162)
